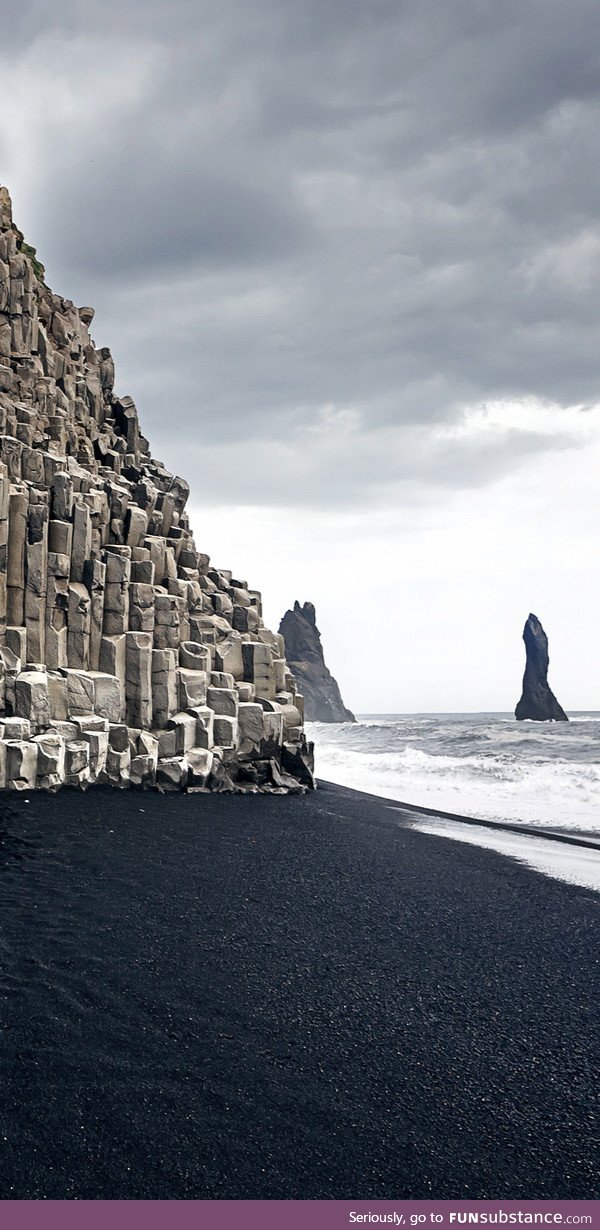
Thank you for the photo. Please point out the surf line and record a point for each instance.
(566, 838)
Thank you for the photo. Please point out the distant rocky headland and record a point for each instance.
(304, 652)
(125, 657)
(538, 702)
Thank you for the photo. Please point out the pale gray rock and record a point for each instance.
(184, 727)
(78, 626)
(80, 692)
(205, 734)
(147, 745)
(272, 734)
(258, 667)
(60, 540)
(10, 668)
(136, 524)
(228, 655)
(143, 771)
(17, 728)
(224, 702)
(191, 688)
(221, 679)
(292, 720)
(21, 765)
(194, 657)
(16, 641)
(200, 763)
(58, 696)
(139, 655)
(77, 763)
(250, 720)
(82, 540)
(118, 764)
(164, 685)
(113, 656)
(50, 760)
(138, 679)
(32, 699)
(62, 497)
(141, 607)
(118, 736)
(172, 774)
(94, 575)
(67, 730)
(97, 741)
(109, 698)
(167, 743)
(225, 731)
(15, 573)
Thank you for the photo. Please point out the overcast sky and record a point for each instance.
(346, 254)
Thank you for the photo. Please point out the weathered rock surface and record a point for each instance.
(304, 653)
(125, 656)
(538, 702)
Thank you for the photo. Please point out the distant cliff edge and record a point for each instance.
(538, 702)
(304, 653)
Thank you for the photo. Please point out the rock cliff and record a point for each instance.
(304, 653)
(125, 657)
(537, 701)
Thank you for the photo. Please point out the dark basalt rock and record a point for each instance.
(304, 654)
(538, 702)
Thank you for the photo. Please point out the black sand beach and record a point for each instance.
(268, 997)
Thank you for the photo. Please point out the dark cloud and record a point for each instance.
(221, 221)
(286, 212)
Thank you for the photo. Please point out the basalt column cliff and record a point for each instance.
(125, 658)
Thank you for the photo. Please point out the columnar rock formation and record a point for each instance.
(125, 657)
(304, 653)
(537, 701)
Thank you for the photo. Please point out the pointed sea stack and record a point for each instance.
(538, 702)
(126, 658)
(304, 652)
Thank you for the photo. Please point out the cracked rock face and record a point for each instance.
(125, 656)
(538, 702)
(304, 652)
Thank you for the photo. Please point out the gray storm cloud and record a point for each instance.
(289, 213)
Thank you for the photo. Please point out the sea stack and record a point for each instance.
(304, 652)
(126, 658)
(538, 702)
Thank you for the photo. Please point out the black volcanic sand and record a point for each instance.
(272, 997)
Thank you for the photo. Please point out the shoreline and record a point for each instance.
(574, 838)
(208, 997)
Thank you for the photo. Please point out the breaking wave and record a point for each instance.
(481, 765)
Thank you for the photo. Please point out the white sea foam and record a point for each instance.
(475, 765)
(573, 864)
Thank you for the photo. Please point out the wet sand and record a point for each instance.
(272, 997)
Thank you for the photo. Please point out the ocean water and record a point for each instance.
(485, 765)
